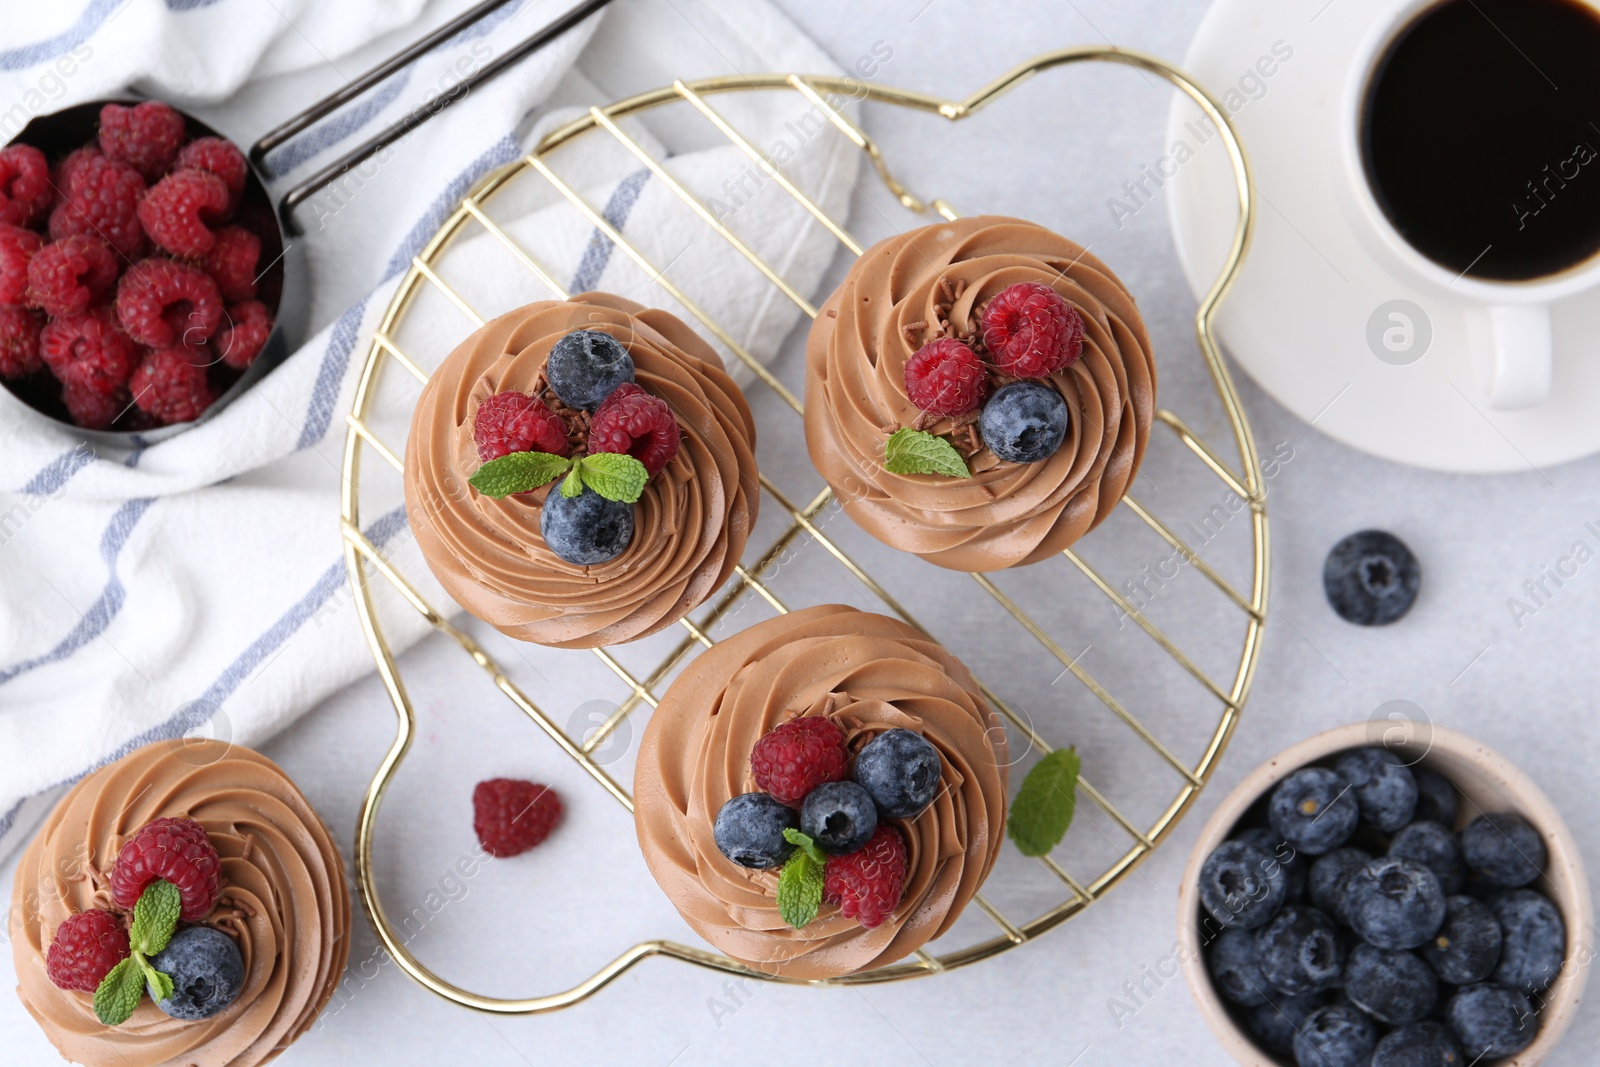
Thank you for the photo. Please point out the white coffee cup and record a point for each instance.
(1509, 334)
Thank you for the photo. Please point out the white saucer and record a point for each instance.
(1311, 294)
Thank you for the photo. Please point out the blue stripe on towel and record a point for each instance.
(59, 471)
(597, 253)
(94, 16)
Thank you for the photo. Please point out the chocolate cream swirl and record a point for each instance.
(690, 525)
(284, 900)
(868, 673)
(1005, 514)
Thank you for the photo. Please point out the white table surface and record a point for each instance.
(516, 927)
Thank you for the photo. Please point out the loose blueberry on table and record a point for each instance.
(1371, 578)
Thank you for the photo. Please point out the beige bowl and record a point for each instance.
(1487, 782)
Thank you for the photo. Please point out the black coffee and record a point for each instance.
(1481, 136)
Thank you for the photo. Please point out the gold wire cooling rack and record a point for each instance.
(1245, 481)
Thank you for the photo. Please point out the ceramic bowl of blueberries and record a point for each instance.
(1368, 901)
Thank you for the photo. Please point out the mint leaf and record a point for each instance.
(517, 472)
(805, 844)
(573, 485)
(1043, 809)
(155, 916)
(119, 992)
(159, 984)
(800, 888)
(920, 452)
(614, 475)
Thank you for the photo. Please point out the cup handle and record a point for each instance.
(1513, 341)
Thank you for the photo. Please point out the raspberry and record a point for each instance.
(176, 850)
(25, 190)
(799, 755)
(102, 199)
(17, 247)
(232, 263)
(220, 157)
(511, 816)
(66, 276)
(162, 302)
(86, 946)
(631, 420)
(867, 883)
(87, 352)
(517, 422)
(145, 136)
(171, 385)
(178, 209)
(946, 377)
(1031, 331)
(96, 411)
(68, 168)
(243, 334)
(19, 342)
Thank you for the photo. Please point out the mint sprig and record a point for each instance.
(614, 475)
(155, 917)
(1043, 809)
(920, 452)
(800, 884)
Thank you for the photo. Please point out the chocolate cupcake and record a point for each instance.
(581, 472)
(879, 709)
(264, 877)
(979, 392)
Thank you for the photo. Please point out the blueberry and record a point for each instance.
(1299, 951)
(586, 366)
(1383, 786)
(585, 529)
(1419, 1045)
(1393, 903)
(1491, 1021)
(1241, 885)
(1392, 987)
(901, 770)
(1293, 864)
(1024, 422)
(1275, 1023)
(1435, 848)
(749, 830)
(838, 816)
(1535, 940)
(1371, 578)
(1467, 946)
(1313, 810)
(1234, 970)
(1328, 876)
(1436, 797)
(1504, 849)
(1335, 1036)
(206, 969)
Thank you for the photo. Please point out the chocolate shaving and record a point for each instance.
(577, 421)
(911, 328)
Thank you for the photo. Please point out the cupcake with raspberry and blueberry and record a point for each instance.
(979, 392)
(822, 793)
(582, 472)
(182, 905)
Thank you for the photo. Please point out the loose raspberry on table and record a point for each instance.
(170, 383)
(1031, 331)
(19, 342)
(174, 849)
(243, 334)
(88, 352)
(222, 158)
(162, 302)
(178, 211)
(946, 377)
(17, 247)
(86, 946)
(145, 136)
(516, 422)
(511, 816)
(630, 420)
(66, 276)
(102, 199)
(232, 263)
(797, 756)
(25, 190)
(867, 884)
(96, 411)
